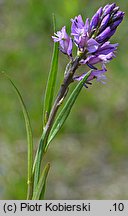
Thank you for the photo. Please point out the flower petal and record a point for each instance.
(92, 45)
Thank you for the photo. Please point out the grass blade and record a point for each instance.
(29, 137)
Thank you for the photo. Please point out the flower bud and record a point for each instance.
(116, 23)
(117, 16)
(104, 23)
(108, 9)
(103, 35)
(96, 18)
(115, 10)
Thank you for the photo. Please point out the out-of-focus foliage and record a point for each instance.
(89, 157)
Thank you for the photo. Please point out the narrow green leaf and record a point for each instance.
(66, 109)
(37, 161)
(29, 136)
(43, 192)
(40, 188)
(50, 88)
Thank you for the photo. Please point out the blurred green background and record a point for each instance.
(89, 158)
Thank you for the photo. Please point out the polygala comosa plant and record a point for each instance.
(90, 39)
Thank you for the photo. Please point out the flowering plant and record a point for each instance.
(91, 38)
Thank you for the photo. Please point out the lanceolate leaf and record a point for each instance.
(40, 188)
(29, 136)
(50, 88)
(66, 109)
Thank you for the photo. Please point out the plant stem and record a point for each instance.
(69, 72)
(30, 189)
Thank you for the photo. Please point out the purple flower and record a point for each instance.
(64, 40)
(80, 31)
(77, 24)
(103, 55)
(98, 74)
(95, 74)
(106, 48)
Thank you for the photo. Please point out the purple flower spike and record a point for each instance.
(91, 39)
(64, 40)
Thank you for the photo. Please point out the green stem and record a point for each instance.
(30, 189)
